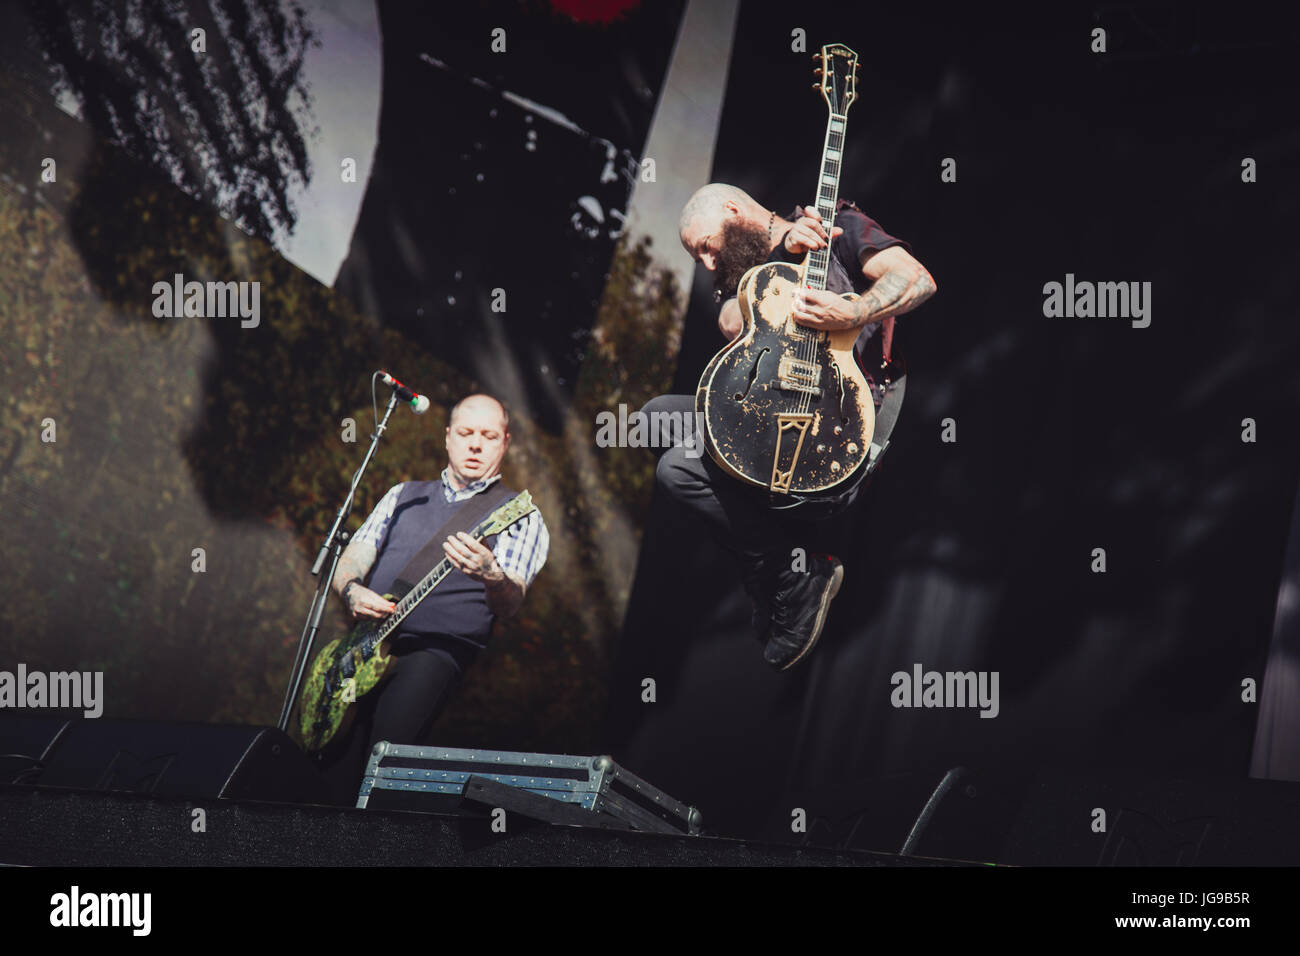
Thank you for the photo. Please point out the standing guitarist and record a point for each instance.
(442, 636)
(727, 231)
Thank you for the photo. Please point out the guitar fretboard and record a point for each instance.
(414, 596)
(828, 190)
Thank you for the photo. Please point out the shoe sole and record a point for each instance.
(827, 596)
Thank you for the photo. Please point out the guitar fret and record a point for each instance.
(416, 594)
(818, 261)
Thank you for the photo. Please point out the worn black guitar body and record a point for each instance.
(785, 407)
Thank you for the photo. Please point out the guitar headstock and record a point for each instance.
(517, 507)
(838, 68)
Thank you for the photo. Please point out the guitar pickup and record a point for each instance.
(798, 375)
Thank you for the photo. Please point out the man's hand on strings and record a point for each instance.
(363, 602)
(821, 309)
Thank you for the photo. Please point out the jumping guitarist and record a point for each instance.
(726, 230)
(437, 642)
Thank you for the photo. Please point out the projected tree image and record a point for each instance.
(213, 95)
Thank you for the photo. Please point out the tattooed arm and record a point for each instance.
(900, 284)
(354, 564)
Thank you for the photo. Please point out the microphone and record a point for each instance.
(419, 404)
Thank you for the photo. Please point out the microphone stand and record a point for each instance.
(331, 550)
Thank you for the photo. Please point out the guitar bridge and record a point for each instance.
(813, 390)
(791, 429)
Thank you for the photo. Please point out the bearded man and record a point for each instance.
(729, 232)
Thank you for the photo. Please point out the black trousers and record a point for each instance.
(401, 711)
(740, 518)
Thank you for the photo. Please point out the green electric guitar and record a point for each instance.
(350, 667)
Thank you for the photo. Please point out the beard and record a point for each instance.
(743, 247)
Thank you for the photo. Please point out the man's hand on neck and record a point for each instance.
(807, 234)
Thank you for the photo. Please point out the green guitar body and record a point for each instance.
(344, 671)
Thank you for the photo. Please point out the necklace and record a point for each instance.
(770, 219)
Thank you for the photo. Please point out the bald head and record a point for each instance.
(480, 403)
(707, 209)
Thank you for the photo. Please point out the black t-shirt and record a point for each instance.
(862, 235)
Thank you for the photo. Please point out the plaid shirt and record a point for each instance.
(520, 549)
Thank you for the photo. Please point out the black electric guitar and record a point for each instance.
(787, 407)
(349, 668)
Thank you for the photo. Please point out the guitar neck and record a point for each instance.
(420, 591)
(828, 192)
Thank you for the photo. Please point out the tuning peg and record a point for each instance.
(817, 86)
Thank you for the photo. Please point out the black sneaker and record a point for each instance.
(799, 610)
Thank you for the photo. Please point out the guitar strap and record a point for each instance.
(470, 513)
(886, 417)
